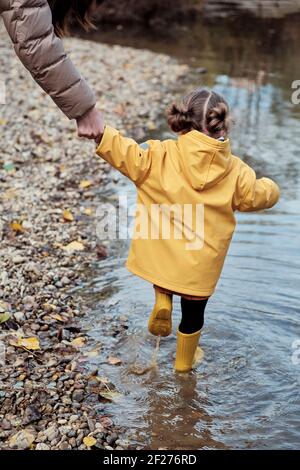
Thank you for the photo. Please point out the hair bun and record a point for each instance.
(217, 118)
(179, 118)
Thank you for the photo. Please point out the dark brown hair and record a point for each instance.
(71, 12)
(201, 110)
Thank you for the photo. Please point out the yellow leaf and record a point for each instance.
(89, 441)
(84, 184)
(88, 211)
(67, 215)
(49, 307)
(32, 344)
(74, 246)
(78, 342)
(57, 317)
(17, 227)
(3, 122)
(114, 361)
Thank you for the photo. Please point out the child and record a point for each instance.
(197, 180)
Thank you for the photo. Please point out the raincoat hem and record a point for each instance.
(167, 284)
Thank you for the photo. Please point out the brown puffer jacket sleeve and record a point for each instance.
(29, 24)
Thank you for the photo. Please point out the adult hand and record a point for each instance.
(91, 125)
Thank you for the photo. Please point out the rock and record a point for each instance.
(65, 281)
(32, 413)
(22, 440)
(19, 317)
(111, 439)
(78, 395)
(18, 259)
(29, 303)
(65, 446)
(91, 424)
(5, 425)
(42, 446)
(51, 433)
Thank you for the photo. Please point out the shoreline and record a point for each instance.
(50, 189)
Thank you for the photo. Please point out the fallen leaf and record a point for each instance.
(78, 342)
(32, 344)
(84, 184)
(89, 441)
(110, 395)
(57, 317)
(3, 122)
(4, 317)
(88, 211)
(49, 307)
(74, 246)
(67, 215)
(114, 361)
(17, 227)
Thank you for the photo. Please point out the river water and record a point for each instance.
(245, 393)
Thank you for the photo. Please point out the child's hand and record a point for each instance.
(91, 125)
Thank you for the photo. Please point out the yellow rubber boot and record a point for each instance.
(186, 351)
(160, 321)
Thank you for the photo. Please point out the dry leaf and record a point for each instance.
(88, 211)
(17, 227)
(110, 395)
(114, 361)
(49, 307)
(74, 246)
(89, 441)
(32, 344)
(67, 215)
(57, 317)
(78, 342)
(84, 184)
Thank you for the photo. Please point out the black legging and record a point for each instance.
(192, 315)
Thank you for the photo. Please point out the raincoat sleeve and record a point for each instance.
(124, 154)
(254, 194)
(29, 25)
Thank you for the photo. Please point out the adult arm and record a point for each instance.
(29, 24)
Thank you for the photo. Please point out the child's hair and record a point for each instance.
(201, 110)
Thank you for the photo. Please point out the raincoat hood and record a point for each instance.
(205, 161)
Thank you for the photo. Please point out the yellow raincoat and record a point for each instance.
(187, 192)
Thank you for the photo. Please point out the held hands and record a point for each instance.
(91, 125)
